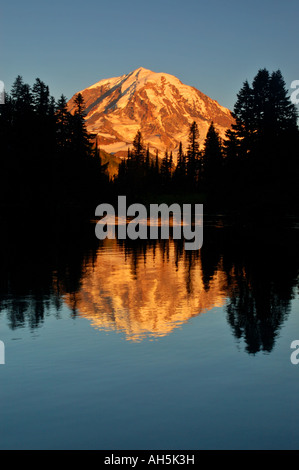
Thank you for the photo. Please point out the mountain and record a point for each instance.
(157, 104)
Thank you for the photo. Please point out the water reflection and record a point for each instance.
(262, 280)
(147, 289)
(39, 263)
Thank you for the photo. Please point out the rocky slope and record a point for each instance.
(158, 104)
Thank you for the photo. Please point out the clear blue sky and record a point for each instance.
(213, 45)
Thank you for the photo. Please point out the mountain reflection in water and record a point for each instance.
(147, 289)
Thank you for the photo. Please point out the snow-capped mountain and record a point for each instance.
(157, 104)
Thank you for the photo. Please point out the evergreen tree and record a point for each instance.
(138, 151)
(170, 164)
(231, 145)
(212, 157)
(21, 95)
(165, 170)
(44, 121)
(262, 112)
(156, 173)
(261, 147)
(192, 157)
(157, 161)
(179, 176)
(46, 159)
(80, 138)
(63, 125)
(282, 113)
(22, 101)
(41, 99)
(244, 128)
(261, 103)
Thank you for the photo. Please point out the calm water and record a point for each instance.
(122, 345)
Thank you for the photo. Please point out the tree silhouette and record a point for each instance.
(46, 157)
(81, 138)
(192, 156)
(262, 142)
(212, 157)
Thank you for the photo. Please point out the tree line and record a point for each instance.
(47, 158)
(256, 162)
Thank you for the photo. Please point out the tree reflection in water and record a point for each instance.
(148, 288)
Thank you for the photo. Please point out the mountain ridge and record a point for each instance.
(157, 104)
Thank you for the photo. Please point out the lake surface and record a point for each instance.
(143, 345)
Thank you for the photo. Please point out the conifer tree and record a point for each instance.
(192, 157)
(63, 124)
(180, 170)
(282, 113)
(157, 160)
(80, 138)
(262, 112)
(212, 156)
(244, 128)
(147, 160)
(41, 99)
(138, 151)
(261, 146)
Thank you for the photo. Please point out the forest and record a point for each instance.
(49, 162)
(52, 177)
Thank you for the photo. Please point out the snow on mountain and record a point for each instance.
(157, 104)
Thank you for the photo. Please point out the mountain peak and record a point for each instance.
(157, 104)
(141, 70)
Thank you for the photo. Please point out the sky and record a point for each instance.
(213, 45)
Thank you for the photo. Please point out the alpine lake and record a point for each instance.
(121, 344)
